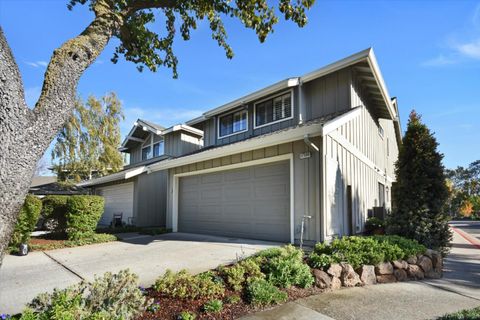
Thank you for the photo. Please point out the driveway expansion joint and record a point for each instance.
(64, 266)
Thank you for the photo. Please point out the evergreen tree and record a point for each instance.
(87, 145)
(420, 192)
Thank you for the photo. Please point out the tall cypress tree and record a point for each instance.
(420, 193)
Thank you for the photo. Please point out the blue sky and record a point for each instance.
(428, 51)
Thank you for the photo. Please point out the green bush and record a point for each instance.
(54, 212)
(233, 299)
(213, 306)
(111, 297)
(240, 273)
(27, 219)
(186, 315)
(374, 224)
(260, 292)
(359, 251)
(470, 314)
(184, 285)
(83, 214)
(285, 267)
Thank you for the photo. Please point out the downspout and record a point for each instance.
(307, 215)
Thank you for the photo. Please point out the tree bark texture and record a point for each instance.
(25, 134)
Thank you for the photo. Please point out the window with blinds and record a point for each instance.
(273, 110)
(232, 123)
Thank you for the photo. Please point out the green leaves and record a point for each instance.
(147, 48)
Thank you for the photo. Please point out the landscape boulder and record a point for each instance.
(367, 274)
(400, 274)
(322, 279)
(335, 270)
(349, 277)
(425, 263)
(412, 260)
(415, 272)
(386, 278)
(384, 268)
(336, 283)
(400, 264)
(433, 274)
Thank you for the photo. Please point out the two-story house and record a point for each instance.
(316, 150)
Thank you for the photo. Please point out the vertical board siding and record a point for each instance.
(150, 199)
(179, 143)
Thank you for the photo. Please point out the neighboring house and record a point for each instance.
(319, 148)
(47, 185)
(140, 198)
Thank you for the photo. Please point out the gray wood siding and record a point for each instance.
(179, 143)
(150, 197)
(327, 95)
(306, 181)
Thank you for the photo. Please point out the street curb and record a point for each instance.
(467, 237)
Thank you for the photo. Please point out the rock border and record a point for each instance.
(427, 265)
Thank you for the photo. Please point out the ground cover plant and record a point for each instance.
(359, 251)
(469, 314)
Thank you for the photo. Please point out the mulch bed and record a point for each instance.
(170, 308)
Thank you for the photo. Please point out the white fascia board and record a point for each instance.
(183, 127)
(147, 127)
(129, 134)
(242, 146)
(196, 120)
(340, 64)
(339, 121)
(124, 175)
(372, 62)
(291, 82)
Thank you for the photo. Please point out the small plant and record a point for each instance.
(186, 315)
(184, 285)
(233, 299)
(213, 306)
(374, 225)
(154, 307)
(113, 296)
(238, 274)
(285, 267)
(262, 293)
(469, 314)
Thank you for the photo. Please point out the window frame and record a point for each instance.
(255, 126)
(151, 153)
(153, 149)
(242, 109)
(381, 131)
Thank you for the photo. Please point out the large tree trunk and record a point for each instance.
(25, 134)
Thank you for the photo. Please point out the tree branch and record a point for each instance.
(137, 5)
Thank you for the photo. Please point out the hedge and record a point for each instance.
(83, 214)
(54, 212)
(29, 214)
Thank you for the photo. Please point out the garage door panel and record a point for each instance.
(251, 202)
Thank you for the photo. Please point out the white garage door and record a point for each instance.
(118, 199)
(251, 202)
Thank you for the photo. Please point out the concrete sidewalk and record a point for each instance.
(458, 289)
(22, 278)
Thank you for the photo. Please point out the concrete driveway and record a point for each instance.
(22, 278)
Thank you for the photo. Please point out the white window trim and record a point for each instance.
(176, 183)
(226, 114)
(381, 129)
(272, 98)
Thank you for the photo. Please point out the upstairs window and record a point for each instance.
(146, 153)
(381, 132)
(273, 110)
(158, 149)
(232, 123)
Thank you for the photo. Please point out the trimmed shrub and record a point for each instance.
(260, 292)
(83, 214)
(359, 251)
(242, 272)
(184, 285)
(29, 214)
(54, 213)
(285, 267)
(213, 306)
(113, 296)
(374, 225)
